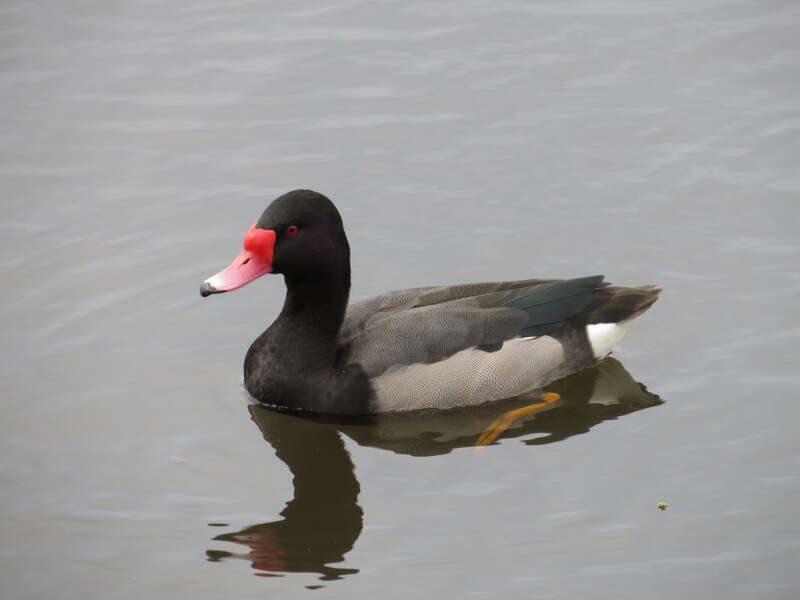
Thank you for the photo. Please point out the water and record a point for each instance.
(654, 143)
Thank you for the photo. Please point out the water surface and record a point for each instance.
(653, 143)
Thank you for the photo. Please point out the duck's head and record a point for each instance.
(299, 235)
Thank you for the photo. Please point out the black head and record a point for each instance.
(309, 235)
(300, 235)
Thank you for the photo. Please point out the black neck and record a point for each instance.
(315, 308)
(319, 303)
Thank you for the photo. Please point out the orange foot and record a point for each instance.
(504, 421)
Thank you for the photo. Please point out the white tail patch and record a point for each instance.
(604, 336)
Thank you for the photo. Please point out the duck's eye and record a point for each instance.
(292, 229)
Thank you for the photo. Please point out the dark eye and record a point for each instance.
(292, 229)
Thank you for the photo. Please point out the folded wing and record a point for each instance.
(426, 325)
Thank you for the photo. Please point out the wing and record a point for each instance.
(424, 325)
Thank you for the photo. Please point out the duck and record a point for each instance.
(439, 347)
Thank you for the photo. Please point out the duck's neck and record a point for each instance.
(317, 305)
(295, 358)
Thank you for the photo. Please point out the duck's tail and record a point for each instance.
(608, 315)
(614, 304)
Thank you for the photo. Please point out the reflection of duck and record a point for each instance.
(323, 521)
(312, 533)
(422, 348)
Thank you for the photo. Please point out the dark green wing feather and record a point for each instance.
(549, 305)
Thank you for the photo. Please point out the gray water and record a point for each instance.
(652, 142)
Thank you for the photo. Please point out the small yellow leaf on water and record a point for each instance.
(662, 505)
